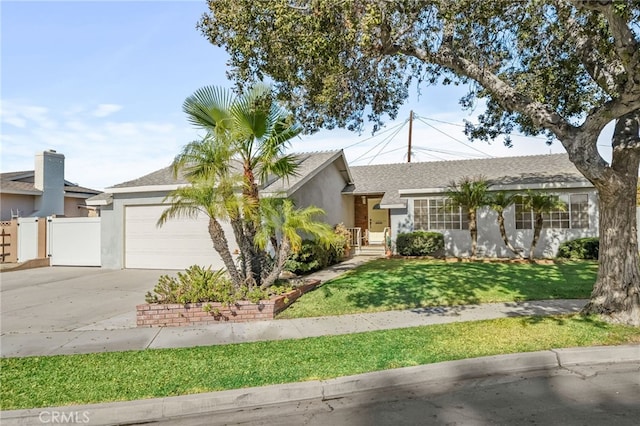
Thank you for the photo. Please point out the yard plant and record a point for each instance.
(47, 381)
(245, 140)
(564, 69)
(392, 284)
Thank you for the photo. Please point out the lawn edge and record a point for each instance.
(441, 374)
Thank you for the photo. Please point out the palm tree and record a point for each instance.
(255, 132)
(499, 202)
(469, 194)
(281, 227)
(540, 203)
(212, 199)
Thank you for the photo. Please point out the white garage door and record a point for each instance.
(178, 244)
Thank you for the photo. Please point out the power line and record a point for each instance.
(377, 134)
(462, 125)
(455, 139)
(386, 139)
(444, 151)
(379, 154)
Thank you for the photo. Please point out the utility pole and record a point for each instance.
(410, 130)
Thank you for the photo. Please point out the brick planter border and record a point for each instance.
(180, 315)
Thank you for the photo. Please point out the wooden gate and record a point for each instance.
(9, 241)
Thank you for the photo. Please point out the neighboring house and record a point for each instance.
(380, 200)
(43, 191)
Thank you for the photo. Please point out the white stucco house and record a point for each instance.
(377, 199)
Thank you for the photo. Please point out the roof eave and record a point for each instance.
(145, 188)
(317, 170)
(20, 191)
(507, 187)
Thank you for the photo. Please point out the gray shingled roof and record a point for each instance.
(389, 178)
(308, 164)
(159, 177)
(22, 183)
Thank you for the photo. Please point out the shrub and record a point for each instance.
(313, 256)
(343, 236)
(582, 248)
(197, 284)
(419, 243)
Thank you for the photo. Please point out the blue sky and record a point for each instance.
(103, 83)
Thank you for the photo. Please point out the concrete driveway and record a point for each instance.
(72, 298)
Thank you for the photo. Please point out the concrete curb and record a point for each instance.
(215, 402)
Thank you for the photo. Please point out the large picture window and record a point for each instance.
(438, 214)
(576, 215)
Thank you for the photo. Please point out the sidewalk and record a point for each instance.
(219, 405)
(118, 334)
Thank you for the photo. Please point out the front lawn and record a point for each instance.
(118, 376)
(393, 284)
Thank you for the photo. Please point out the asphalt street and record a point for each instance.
(607, 394)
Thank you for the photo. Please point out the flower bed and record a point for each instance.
(180, 315)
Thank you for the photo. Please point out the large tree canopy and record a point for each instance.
(563, 67)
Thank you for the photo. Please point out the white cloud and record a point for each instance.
(97, 153)
(104, 110)
(101, 153)
(19, 114)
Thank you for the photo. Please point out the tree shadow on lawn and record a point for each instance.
(405, 284)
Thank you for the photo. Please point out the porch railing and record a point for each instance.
(356, 238)
(387, 233)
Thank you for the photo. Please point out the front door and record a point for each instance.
(378, 218)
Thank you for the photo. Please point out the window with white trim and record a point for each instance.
(438, 214)
(576, 215)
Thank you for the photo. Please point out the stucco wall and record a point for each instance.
(490, 244)
(72, 209)
(24, 203)
(324, 191)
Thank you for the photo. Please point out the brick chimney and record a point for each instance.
(49, 178)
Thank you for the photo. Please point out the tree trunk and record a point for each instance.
(503, 233)
(221, 245)
(537, 229)
(256, 258)
(282, 254)
(244, 245)
(616, 293)
(473, 230)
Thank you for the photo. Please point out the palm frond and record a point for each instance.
(208, 108)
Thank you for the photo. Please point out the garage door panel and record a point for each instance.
(178, 244)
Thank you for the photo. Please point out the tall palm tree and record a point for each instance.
(212, 199)
(540, 203)
(255, 132)
(499, 202)
(281, 227)
(469, 194)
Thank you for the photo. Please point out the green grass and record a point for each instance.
(393, 284)
(80, 379)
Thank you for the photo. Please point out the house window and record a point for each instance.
(579, 208)
(576, 215)
(437, 214)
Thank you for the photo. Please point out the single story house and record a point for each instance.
(43, 191)
(410, 196)
(375, 201)
(129, 212)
